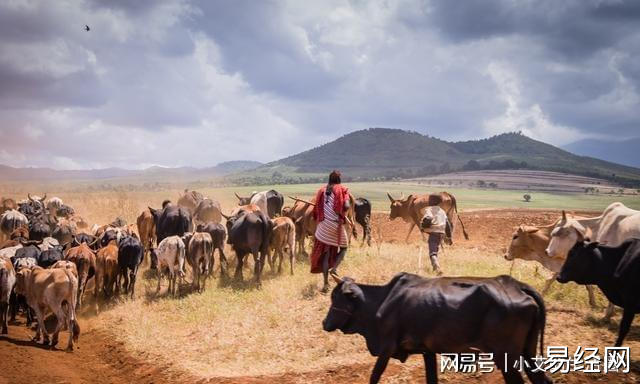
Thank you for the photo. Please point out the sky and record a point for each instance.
(176, 83)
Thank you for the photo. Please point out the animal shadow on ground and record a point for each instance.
(50, 324)
(613, 326)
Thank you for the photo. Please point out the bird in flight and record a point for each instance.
(86, 28)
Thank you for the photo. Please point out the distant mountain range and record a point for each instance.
(372, 154)
(387, 153)
(148, 174)
(622, 152)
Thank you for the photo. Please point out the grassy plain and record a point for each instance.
(236, 330)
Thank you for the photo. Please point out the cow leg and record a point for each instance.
(592, 296)
(548, 283)
(41, 328)
(239, 262)
(196, 275)
(430, 367)
(257, 268)
(510, 374)
(412, 225)
(378, 369)
(625, 324)
(159, 275)
(609, 312)
(224, 265)
(4, 314)
(61, 317)
(281, 257)
(270, 257)
(13, 306)
(291, 257)
(133, 274)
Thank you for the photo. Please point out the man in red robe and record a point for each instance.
(330, 245)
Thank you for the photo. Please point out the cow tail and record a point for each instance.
(455, 208)
(73, 282)
(542, 313)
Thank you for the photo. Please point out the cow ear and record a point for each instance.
(593, 245)
(532, 230)
(410, 197)
(351, 289)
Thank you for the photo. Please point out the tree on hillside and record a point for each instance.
(527, 197)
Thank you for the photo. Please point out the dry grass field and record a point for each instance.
(235, 333)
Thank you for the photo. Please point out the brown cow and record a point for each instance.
(7, 281)
(7, 204)
(55, 290)
(529, 243)
(302, 215)
(412, 208)
(106, 269)
(200, 257)
(64, 264)
(85, 261)
(190, 200)
(283, 236)
(146, 229)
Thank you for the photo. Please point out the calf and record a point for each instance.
(529, 243)
(146, 229)
(85, 261)
(615, 270)
(7, 281)
(55, 290)
(169, 256)
(130, 254)
(200, 257)
(106, 269)
(412, 315)
(283, 237)
(218, 236)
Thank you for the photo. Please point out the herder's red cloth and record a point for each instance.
(340, 195)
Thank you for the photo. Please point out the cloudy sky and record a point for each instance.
(198, 82)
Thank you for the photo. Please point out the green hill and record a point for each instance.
(383, 153)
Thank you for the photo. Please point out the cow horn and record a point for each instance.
(94, 243)
(390, 198)
(239, 198)
(335, 277)
(29, 196)
(43, 198)
(401, 195)
(225, 216)
(564, 215)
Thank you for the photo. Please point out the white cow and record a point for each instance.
(616, 224)
(10, 221)
(48, 243)
(169, 255)
(53, 205)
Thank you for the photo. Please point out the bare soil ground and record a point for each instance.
(100, 357)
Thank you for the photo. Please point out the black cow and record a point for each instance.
(171, 220)
(51, 256)
(363, 217)
(39, 229)
(218, 235)
(107, 236)
(412, 314)
(615, 270)
(65, 211)
(91, 240)
(249, 232)
(130, 254)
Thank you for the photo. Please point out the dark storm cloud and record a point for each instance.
(572, 29)
(258, 41)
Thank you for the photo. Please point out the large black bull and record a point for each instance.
(249, 232)
(615, 270)
(171, 220)
(412, 314)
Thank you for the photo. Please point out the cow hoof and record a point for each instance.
(69, 349)
(325, 289)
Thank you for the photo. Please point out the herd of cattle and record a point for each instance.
(48, 254)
